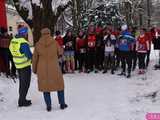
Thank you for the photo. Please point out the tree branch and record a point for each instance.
(23, 12)
(61, 9)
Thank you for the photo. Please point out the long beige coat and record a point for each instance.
(45, 63)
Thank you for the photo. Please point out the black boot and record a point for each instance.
(105, 71)
(112, 72)
(26, 103)
(133, 69)
(122, 73)
(49, 108)
(63, 71)
(96, 71)
(63, 106)
(88, 71)
(29, 101)
(129, 75)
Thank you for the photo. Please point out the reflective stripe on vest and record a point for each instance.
(20, 60)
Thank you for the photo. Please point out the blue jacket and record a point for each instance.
(125, 41)
(25, 49)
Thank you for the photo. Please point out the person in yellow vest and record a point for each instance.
(22, 56)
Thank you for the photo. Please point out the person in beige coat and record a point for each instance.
(45, 65)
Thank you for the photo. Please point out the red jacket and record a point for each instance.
(99, 30)
(80, 43)
(150, 36)
(142, 44)
(115, 33)
(91, 40)
(60, 40)
(4, 42)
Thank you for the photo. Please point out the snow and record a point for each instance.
(89, 96)
(37, 2)
(27, 4)
(56, 3)
(68, 21)
(10, 7)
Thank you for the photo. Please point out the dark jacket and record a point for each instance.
(69, 43)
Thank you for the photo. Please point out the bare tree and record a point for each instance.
(43, 14)
(130, 9)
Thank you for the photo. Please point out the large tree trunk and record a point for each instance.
(74, 15)
(41, 16)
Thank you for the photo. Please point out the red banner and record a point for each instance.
(3, 17)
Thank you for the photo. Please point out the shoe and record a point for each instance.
(26, 103)
(63, 71)
(80, 71)
(49, 108)
(88, 71)
(140, 72)
(128, 76)
(112, 72)
(105, 71)
(63, 106)
(122, 73)
(143, 72)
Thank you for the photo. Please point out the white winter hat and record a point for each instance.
(124, 27)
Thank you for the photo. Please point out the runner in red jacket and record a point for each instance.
(91, 45)
(60, 41)
(81, 48)
(142, 47)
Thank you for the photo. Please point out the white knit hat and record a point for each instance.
(124, 27)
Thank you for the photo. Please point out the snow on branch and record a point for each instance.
(37, 2)
(69, 22)
(27, 4)
(57, 3)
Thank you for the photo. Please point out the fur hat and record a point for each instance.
(45, 31)
(124, 27)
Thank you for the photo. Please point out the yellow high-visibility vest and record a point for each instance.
(20, 60)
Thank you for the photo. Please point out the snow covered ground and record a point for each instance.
(89, 96)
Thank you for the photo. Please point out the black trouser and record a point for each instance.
(134, 59)
(5, 55)
(76, 60)
(91, 59)
(13, 67)
(109, 62)
(118, 58)
(24, 83)
(62, 64)
(141, 60)
(148, 58)
(82, 60)
(99, 58)
(126, 59)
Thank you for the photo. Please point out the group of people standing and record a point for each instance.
(97, 49)
(102, 49)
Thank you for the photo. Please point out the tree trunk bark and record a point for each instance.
(41, 16)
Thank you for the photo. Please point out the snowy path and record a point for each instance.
(89, 96)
